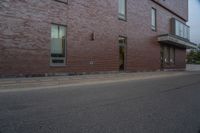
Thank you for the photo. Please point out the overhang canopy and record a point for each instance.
(176, 41)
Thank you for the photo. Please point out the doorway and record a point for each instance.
(162, 56)
(122, 53)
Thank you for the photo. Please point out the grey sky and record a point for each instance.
(194, 20)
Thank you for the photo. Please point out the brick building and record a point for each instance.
(75, 36)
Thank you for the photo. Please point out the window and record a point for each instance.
(58, 45)
(153, 19)
(172, 55)
(122, 40)
(122, 52)
(180, 29)
(169, 55)
(122, 9)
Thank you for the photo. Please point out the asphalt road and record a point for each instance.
(159, 105)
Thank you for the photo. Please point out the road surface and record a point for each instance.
(157, 105)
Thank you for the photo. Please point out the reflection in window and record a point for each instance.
(58, 44)
(122, 9)
(172, 55)
(169, 55)
(153, 19)
(180, 29)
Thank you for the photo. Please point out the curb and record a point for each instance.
(49, 83)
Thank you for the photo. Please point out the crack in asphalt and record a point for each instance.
(181, 87)
(120, 100)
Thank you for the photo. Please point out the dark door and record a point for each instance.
(162, 56)
(122, 53)
(121, 58)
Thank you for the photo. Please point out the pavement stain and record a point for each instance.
(181, 87)
(17, 107)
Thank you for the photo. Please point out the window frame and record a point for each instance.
(154, 28)
(65, 49)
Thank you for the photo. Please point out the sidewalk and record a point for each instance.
(13, 84)
(193, 67)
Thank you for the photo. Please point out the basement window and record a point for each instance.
(58, 45)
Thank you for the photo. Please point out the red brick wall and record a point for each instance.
(180, 58)
(180, 7)
(25, 28)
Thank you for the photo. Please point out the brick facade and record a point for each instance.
(25, 35)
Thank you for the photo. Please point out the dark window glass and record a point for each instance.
(169, 55)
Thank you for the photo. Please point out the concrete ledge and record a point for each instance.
(192, 67)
